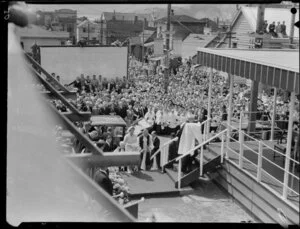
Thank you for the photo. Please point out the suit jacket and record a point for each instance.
(109, 148)
(156, 144)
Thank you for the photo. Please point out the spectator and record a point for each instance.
(156, 145)
(283, 29)
(272, 29)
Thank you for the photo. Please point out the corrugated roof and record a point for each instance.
(284, 59)
(276, 68)
(194, 41)
(34, 31)
(181, 18)
(271, 14)
(125, 16)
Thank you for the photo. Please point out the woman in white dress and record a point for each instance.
(131, 143)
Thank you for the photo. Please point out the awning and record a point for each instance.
(276, 68)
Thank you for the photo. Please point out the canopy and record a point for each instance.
(276, 68)
(107, 120)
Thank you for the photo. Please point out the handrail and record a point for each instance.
(200, 145)
(279, 152)
(56, 93)
(32, 61)
(163, 146)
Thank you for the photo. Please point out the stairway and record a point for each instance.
(210, 163)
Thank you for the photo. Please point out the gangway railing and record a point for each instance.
(259, 169)
(201, 145)
(204, 137)
(48, 76)
(75, 114)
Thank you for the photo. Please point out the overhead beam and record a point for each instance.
(88, 160)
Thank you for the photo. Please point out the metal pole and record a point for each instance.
(143, 44)
(88, 31)
(274, 114)
(229, 109)
(209, 100)
(259, 163)
(201, 162)
(241, 140)
(179, 173)
(166, 72)
(222, 149)
(229, 42)
(288, 146)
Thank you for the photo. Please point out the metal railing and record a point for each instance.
(163, 147)
(179, 158)
(259, 168)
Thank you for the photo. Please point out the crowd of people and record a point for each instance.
(143, 96)
(278, 30)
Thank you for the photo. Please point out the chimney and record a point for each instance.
(114, 15)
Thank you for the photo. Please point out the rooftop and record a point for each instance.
(181, 18)
(284, 59)
(125, 16)
(34, 31)
(271, 14)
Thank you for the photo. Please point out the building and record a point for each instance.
(244, 25)
(64, 20)
(89, 31)
(33, 34)
(181, 26)
(120, 26)
(194, 41)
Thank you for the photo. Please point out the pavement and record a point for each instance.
(206, 204)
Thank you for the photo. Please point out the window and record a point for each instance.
(69, 28)
(84, 30)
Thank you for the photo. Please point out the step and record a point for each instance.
(211, 166)
(189, 178)
(214, 149)
(172, 174)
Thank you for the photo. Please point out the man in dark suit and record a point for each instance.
(102, 179)
(109, 147)
(156, 145)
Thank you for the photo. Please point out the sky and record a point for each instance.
(94, 11)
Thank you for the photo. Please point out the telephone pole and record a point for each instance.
(143, 42)
(255, 84)
(167, 69)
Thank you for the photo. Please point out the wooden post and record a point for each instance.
(259, 162)
(288, 146)
(274, 114)
(292, 26)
